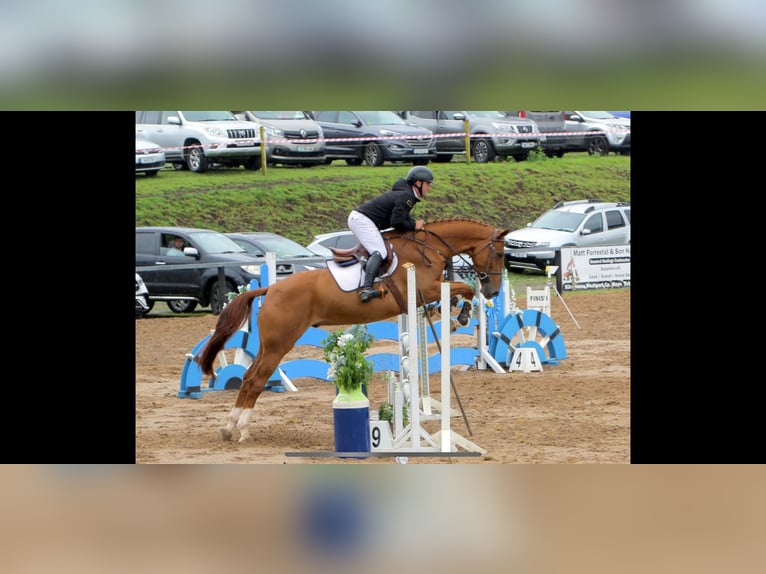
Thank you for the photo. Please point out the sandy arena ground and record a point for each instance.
(575, 412)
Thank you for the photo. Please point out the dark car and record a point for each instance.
(374, 137)
(552, 124)
(187, 275)
(291, 256)
(292, 138)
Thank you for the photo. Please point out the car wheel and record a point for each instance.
(482, 151)
(373, 156)
(252, 163)
(446, 158)
(216, 299)
(598, 146)
(182, 305)
(196, 160)
(354, 161)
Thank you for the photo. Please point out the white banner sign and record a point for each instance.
(606, 267)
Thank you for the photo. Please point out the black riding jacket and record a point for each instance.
(392, 208)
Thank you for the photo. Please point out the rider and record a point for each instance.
(389, 209)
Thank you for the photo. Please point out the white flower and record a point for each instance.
(345, 338)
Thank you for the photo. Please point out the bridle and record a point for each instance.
(482, 275)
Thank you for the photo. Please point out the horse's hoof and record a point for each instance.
(244, 439)
(226, 434)
(453, 326)
(463, 320)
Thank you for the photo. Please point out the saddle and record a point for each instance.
(358, 254)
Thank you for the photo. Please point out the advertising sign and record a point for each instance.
(606, 267)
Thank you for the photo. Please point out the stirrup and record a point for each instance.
(367, 294)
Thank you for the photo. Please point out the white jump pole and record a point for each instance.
(412, 329)
(446, 433)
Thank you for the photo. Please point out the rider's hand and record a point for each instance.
(419, 224)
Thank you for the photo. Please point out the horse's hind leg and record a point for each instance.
(253, 383)
(240, 414)
(226, 433)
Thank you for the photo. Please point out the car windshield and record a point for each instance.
(381, 118)
(209, 116)
(487, 114)
(214, 242)
(283, 247)
(559, 220)
(280, 115)
(598, 115)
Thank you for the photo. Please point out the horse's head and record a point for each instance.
(484, 243)
(488, 260)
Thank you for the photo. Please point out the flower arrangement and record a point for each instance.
(349, 369)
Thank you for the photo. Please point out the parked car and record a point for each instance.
(374, 137)
(345, 239)
(550, 123)
(341, 239)
(292, 137)
(199, 140)
(597, 132)
(580, 223)
(259, 243)
(150, 158)
(189, 278)
(492, 133)
(142, 303)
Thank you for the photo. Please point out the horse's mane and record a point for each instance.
(395, 233)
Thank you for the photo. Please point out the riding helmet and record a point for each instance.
(421, 173)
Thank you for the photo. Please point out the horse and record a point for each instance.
(313, 298)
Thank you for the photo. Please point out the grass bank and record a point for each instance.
(301, 202)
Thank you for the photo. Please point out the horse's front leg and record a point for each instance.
(464, 290)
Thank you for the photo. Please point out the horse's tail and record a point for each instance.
(229, 321)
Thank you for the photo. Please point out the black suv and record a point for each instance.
(184, 274)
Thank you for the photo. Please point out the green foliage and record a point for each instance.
(386, 413)
(302, 202)
(344, 350)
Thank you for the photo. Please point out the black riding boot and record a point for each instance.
(370, 273)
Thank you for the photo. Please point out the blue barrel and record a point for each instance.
(352, 426)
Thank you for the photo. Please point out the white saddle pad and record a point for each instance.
(351, 277)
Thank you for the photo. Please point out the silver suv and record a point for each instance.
(597, 132)
(197, 140)
(493, 134)
(292, 138)
(580, 223)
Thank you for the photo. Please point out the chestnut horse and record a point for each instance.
(313, 298)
